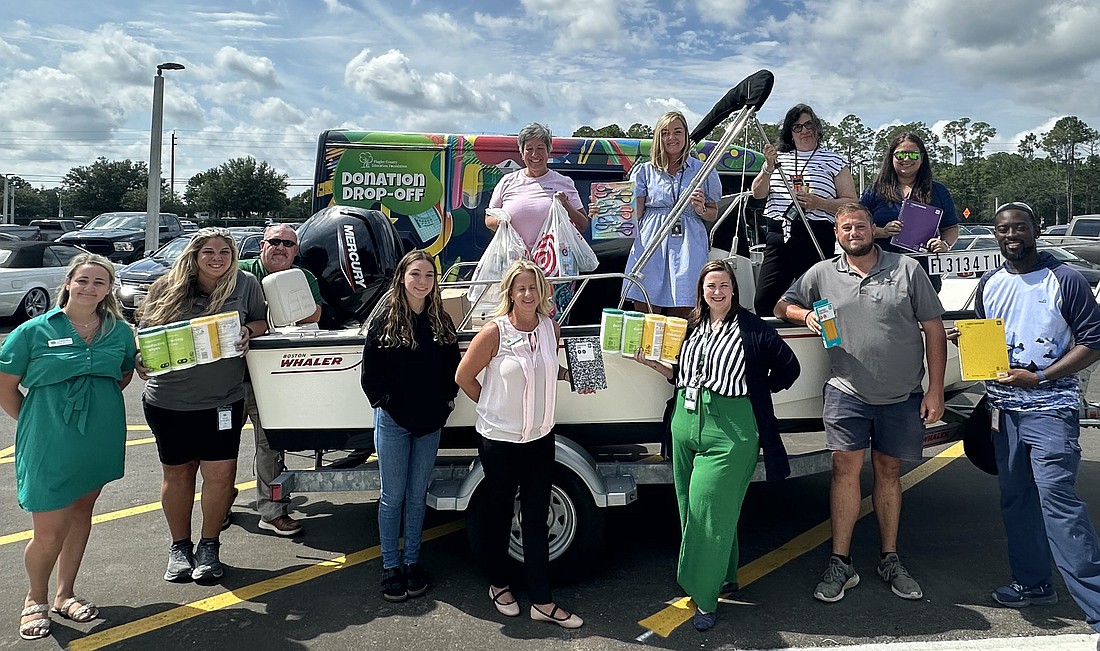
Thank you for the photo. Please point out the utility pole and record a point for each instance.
(172, 173)
(4, 217)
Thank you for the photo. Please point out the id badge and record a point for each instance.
(225, 418)
(677, 229)
(995, 419)
(691, 397)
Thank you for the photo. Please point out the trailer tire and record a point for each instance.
(576, 528)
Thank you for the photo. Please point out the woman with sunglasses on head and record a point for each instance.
(196, 413)
(409, 364)
(906, 173)
(70, 434)
(822, 182)
(730, 364)
(658, 184)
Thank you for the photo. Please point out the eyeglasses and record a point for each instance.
(911, 155)
(290, 244)
(797, 127)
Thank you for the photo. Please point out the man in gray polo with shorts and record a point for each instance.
(873, 396)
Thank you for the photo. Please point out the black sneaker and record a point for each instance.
(417, 580)
(208, 564)
(393, 585)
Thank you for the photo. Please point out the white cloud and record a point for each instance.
(390, 78)
(258, 68)
(336, 7)
(724, 12)
(235, 19)
(273, 110)
(9, 51)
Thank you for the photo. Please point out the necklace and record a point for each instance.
(85, 325)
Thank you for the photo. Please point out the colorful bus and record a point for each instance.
(435, 187)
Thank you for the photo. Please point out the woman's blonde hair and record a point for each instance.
(510, 274)
(108, 309)
(658, 155)
(396, 318)
(175, 293)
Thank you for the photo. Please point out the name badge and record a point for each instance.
(67, 341)
(512, 341)
(225, 418)
(691, 397)
(995, 419)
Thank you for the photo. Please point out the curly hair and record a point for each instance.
(886, 183)
(108, 309)
(395, 319)
(510, 274)
(658, 155)
(174, 293)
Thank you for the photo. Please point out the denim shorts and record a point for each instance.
(894, 430)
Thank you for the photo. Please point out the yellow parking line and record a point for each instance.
(664, 622)
(7, 451)
(112, 515)
(129, 442)
(242, 594)
(132, 428)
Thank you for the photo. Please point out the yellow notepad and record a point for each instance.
(983, 352)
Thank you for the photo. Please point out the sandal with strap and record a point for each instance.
(40, 625)
(85, 613)
(506, 608)
(569, 621)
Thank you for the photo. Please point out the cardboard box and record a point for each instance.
(456, 304)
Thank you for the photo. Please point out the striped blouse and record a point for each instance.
(715, 360)
(818, 169)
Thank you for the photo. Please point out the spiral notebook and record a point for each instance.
(919, 223)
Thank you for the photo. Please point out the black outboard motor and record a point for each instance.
(354, 253)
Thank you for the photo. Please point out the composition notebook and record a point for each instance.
(983, 352)
(585, 362)
(919, 223)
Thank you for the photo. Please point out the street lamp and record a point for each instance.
(152, 216)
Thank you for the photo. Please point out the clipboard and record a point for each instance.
(983, 352)
(920, 222)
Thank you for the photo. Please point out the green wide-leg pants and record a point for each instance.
(714, 453)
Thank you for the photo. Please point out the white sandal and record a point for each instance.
(42, 624)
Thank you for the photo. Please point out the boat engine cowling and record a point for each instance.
(354, 253)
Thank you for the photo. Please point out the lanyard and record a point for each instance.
(708, 334)
(805, 166)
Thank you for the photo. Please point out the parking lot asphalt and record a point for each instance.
(320, 591)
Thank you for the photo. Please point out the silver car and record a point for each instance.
(31, 274)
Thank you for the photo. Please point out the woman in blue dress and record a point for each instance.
(70, 433)
(669, 276)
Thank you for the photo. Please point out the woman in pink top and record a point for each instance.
(526, 194)
(518, 350)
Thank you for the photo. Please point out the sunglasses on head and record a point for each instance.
(280, 242)
(911, 155)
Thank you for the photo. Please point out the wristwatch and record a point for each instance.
(1044, 383)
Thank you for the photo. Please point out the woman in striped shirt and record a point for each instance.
(729, 366)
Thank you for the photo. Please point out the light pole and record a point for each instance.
(152, 216)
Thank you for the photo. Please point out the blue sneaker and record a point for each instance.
(1015, 595)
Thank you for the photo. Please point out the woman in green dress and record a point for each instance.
(70, 433)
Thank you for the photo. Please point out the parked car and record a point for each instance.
(120, 236)
(25, 233)
(973, 229)
(31, 274)
(54, 228)
(134, 279)
(189, 226)
(1057, 229)
(1089, 270)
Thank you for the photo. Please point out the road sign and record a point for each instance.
(966, 213)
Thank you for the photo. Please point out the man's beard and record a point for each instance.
(857, 251)
(1020, 255)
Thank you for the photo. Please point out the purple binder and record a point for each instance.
(919, 223)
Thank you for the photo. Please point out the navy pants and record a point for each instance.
(1038, 455)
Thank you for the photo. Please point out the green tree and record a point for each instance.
(957, 135)
(585, 132)
(639, 130)
(854, 140)
(1065, 144)
(299, 207)
(238, 187)
(103, 185)
(1029, 144)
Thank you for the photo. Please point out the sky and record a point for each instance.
(264, 78)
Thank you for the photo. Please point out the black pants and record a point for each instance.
(528, 467)
(784, 262)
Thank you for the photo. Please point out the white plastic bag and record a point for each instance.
(560, 249)
(505, 248)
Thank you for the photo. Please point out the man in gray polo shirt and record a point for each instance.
(873, 396)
